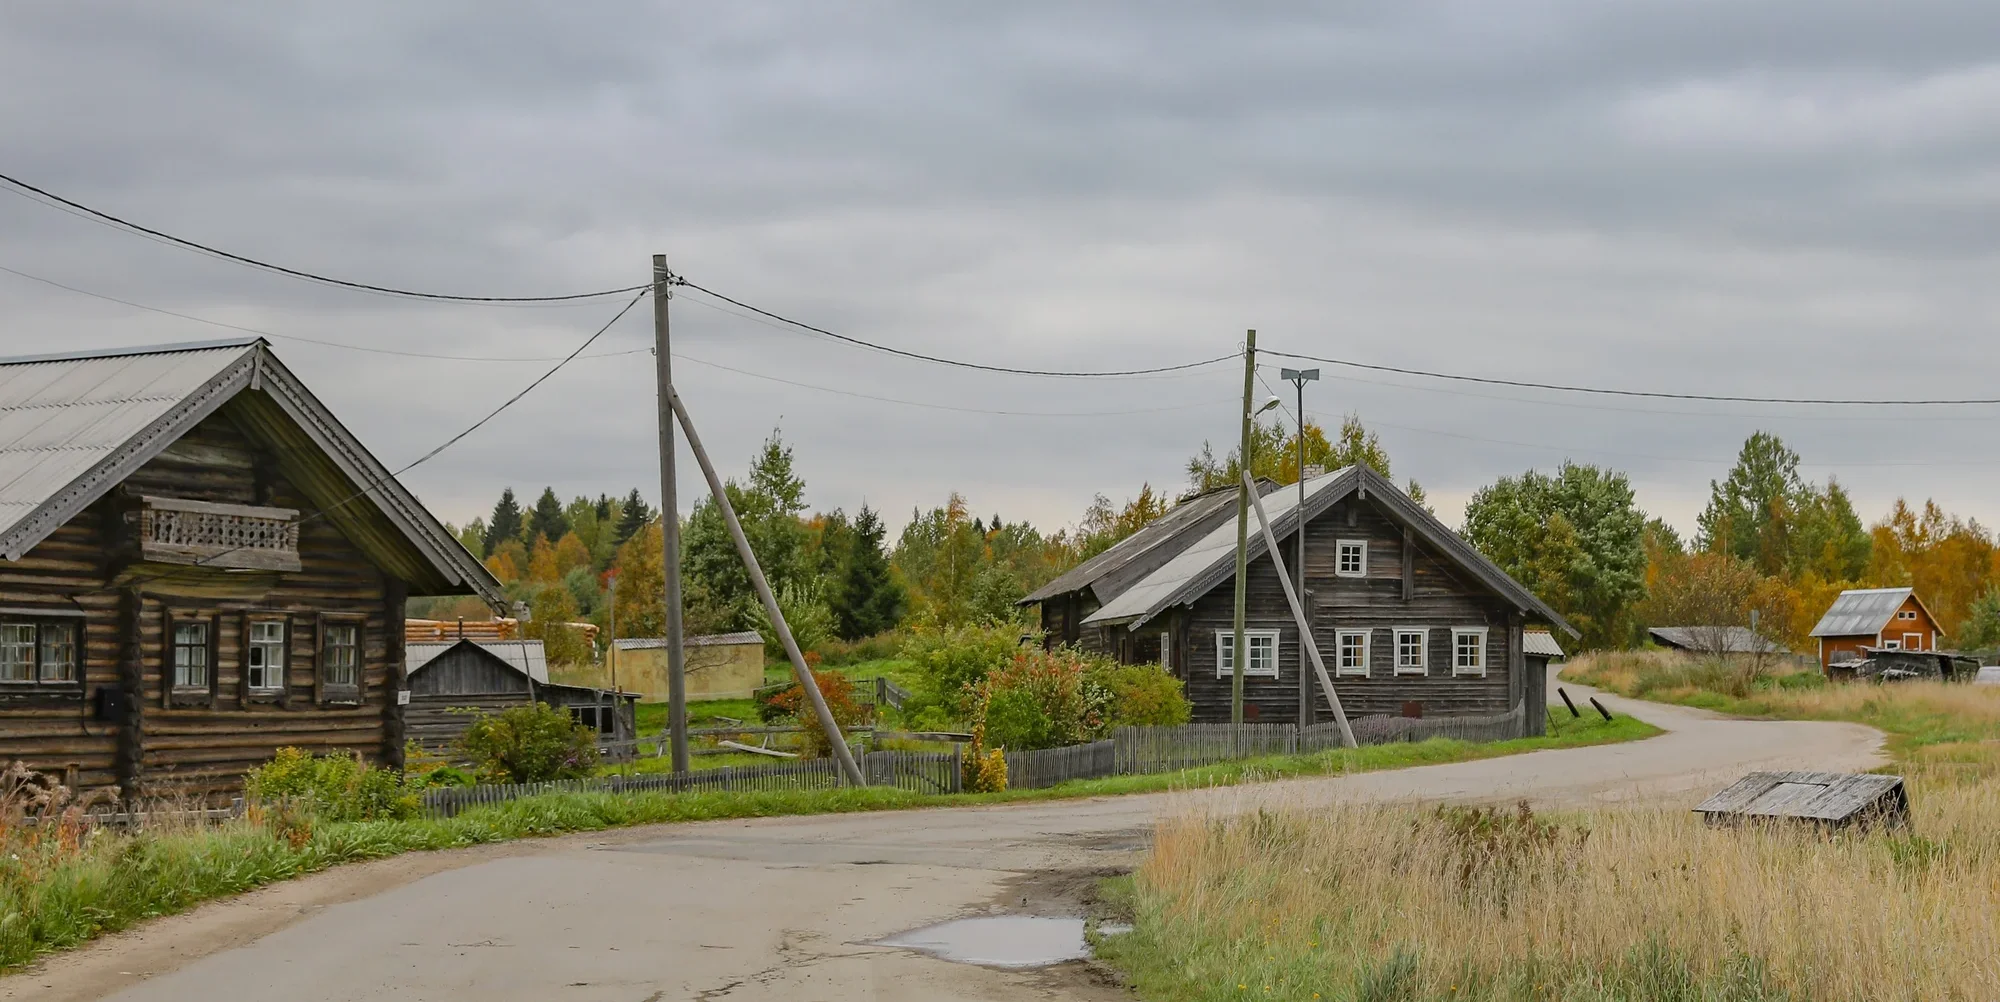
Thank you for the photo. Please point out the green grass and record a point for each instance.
(54, 896)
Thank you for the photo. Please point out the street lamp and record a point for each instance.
(1299, 378)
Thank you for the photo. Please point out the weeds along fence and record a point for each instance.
(921, 772)
(1128, 751)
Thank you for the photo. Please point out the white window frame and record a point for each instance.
(1913, 641)
(1460, 632)
(1892, 645)
(1166, 650)
(274, 671)
(1423, 635)
(1907, 614)
(1340, 638)
(1340, 548)
(1224, 638)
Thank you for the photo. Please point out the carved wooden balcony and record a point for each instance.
(179, 531)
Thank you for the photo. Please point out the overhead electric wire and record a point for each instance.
(1655, 394)
(432, 454)
(683, 357)
(802, 325)
(59, 201)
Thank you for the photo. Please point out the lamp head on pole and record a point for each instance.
(1300, 376)
(1268, 404)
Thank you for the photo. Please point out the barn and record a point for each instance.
(1403, 610)
(1887, 618)
(452, 683)
(202, 565)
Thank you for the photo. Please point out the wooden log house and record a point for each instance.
(1409, 617)
(202, 565)
(452, 682)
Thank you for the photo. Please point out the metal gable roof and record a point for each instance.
(1211, 561)
(1181, 525)
(525, 656)
(72, 427)
(1863, 612)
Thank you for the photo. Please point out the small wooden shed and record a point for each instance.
(451, 683)
(1833, 799)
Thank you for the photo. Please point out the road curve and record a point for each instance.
(781, 908)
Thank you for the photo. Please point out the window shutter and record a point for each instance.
(319, 659)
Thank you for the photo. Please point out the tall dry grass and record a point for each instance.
(1372, 903)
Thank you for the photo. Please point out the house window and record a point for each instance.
(38, 651)
(264, 655)
(1353, 646)
(1263, 646)
(1352, 558)
(1468, 651)
(190, 655)
(340, 656)
(1411, 645)
(1892, 645)
(1166, 651)
(1907, 614)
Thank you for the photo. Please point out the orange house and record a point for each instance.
(1892, 618)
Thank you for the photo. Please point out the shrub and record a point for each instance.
(880, 647)
(984, 770)
(1043, 699)
(338, 786)
(534, 743)
(837, 690)
(1141, 695)
(953, 662)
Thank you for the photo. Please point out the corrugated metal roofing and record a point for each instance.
(524, 655)
(62, 415)
(1158, 540)
(1861, 612)
(1540, 643)
(708, 640)
(1144, 599)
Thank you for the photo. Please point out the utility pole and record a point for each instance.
(1299, 378)
(611, 642)
(670, 518)
(835, 736)
(1237, 654)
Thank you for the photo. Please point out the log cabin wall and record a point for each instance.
(1439, 599)
(192, 743)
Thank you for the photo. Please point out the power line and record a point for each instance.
(49, 197)
(295, 337)
(1493, 381)
(952, 361)
(678, 356)
(428, 456)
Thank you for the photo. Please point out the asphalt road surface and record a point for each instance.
(783, 908)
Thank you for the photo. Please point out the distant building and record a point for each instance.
(1713, 640)
(452, 683)
(719, 666)
(1887, 618)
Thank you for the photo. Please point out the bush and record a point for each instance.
(534, 743)
(953, 662)
(1141, 695)
(1044, 699)
(337, 786)
(837, 690)
(880, 647)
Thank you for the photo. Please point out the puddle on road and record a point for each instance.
(1001, 940)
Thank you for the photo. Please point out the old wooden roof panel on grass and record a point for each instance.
(1830, 797)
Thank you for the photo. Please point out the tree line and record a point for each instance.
(1768, 542)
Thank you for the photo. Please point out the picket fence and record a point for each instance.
(1128, 751)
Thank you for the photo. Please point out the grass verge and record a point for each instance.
(60, 886)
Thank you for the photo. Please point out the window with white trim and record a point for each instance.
(1907, 614)
(1892, 645)
(1263, 646)
(264, 655)
(1468, 651)
(1351, 558)
(1412, 650)
(1166, 651)
(1352, 646)
(38, 652)
(190, 655)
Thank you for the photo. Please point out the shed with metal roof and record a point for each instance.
(1861, 618)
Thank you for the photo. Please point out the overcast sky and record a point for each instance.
(1794, 198)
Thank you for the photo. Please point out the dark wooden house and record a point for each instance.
(202, 565)
(1069, 599)
(452, 683)
(1408, 616)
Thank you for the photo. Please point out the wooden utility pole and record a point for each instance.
(835, 736)
(1237, 654)
(670, 518)
(611, 642)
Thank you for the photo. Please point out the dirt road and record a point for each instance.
(780, 908)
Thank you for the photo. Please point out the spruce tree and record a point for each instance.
(505, 523)
(548, 519)
(635, 515)
(868, 599)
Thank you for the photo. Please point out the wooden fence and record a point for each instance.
(921, 772)
(1384, 729)
(1032, 770)
(1166, 749)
